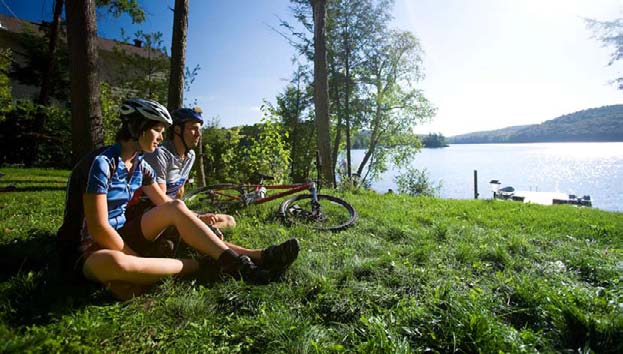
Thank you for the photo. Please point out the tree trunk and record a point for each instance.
(295, 143)
(321, 94)
(86, 115)
(201, 172)
(44, 93)
(336, 144)
(374, 135)
(178, 55)
(366, 157)
(335, 83)
(347, 108)
(295, 140)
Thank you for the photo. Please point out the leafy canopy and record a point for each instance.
(610, 33)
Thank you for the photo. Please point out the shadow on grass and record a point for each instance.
(36, 287)
(9, 189)
(31, 181)
(583, 332)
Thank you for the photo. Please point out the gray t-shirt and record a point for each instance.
(169, 167)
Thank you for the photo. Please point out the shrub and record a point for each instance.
(237, 154)
(417, 182)
(6, 99)
(110, 100)
(36, 135)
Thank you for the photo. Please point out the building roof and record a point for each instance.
(16, 25)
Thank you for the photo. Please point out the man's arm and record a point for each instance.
(180, 192)
(220, 221)
(186, 174)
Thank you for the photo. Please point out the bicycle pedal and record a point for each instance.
(295, 208)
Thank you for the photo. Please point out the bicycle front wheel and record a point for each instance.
(331, 213)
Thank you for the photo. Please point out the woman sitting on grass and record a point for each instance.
(112, 247)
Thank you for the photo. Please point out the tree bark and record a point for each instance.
(201, 168)
(86, 114)
(334, 91)
(44, 93)
(374, 135)
(336, 145)
(366, 157)
(347, 105)
(178, 55)
(321, 91)
(295, 137)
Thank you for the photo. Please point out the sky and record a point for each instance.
(489, 64)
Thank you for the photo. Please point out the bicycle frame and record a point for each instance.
(319, 211)
(256, 193)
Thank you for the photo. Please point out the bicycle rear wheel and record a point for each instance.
(333, 214)
(217, 197)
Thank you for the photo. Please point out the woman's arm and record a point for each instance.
(155, 194)
(96, 214)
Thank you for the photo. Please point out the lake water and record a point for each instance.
(594, 169)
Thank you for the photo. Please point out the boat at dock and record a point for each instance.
(543, 198)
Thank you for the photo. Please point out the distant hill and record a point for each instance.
(361, 139)
(595, 124)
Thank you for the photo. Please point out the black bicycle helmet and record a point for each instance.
(183, 115)
(137, 112)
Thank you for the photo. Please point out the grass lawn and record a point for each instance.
(413, 275)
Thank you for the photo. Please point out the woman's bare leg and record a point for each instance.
(108, 266)
(192, 230)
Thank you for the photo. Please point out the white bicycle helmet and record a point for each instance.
(137, 112)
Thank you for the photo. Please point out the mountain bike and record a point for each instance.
(320, 211)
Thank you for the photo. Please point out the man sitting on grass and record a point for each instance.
(173, 161)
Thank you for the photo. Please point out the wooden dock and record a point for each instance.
(546, 198)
